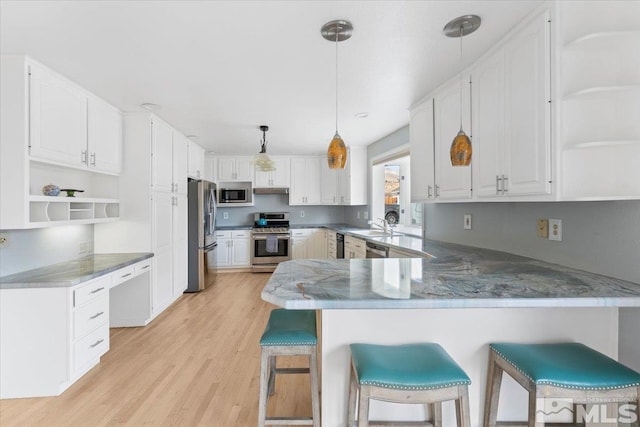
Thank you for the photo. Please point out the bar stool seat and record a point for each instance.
(560, 370)
(288, 333)
(411, 373)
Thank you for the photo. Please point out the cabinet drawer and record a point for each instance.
(299, 233)
(90, 316)
(122, 275)
(91, 290)
(240, 233)
(91, 347)
(223, 234)
(142, 267)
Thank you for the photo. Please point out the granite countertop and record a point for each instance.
(456, 277)
(71, 273)
(234, 227)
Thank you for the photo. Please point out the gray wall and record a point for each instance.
(600, 237)
(29, 249)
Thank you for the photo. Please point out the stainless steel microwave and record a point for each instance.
(234, 195)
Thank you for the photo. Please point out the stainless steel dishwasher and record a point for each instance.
(375, 250)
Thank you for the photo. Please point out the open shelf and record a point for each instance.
(47, 210)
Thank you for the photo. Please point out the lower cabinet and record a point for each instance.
(309, 243)
(354, 247)
(52, 336)
(332, 244)
(234, 249)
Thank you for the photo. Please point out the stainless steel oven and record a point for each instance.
(271, 241)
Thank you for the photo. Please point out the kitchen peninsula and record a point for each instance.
(461, 297)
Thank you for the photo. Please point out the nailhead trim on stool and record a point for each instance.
(411, 373)
(288, 333)
(560, 370)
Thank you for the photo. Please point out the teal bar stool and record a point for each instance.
(569, 371)
(410, 373)
(288, 333)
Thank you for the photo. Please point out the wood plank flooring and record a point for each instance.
(198, 363)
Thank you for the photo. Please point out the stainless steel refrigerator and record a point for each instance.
(201, 232)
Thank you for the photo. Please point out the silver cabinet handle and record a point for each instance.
(146, 266)
(96, 343)
(97, 290)
(176, 187)
(83, 156)
(437, 190)
(505, 179)
(93, 159)
(429, 191)
(96, 315)
(498, 179)
(126, 275)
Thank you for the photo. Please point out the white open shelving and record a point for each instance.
(48, 210)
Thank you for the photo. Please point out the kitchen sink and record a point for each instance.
(375, 233)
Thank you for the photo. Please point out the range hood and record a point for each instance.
(271, 190)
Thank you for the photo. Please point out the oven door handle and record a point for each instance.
(279, 237)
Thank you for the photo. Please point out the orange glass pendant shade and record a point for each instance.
(461, 150)
(337, 153)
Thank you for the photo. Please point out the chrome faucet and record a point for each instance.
(385, 225)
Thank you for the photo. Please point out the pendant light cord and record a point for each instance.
(337, 34)
(460, 64)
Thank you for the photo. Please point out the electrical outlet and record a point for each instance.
(543, 228)
(366, 214)
(4, 240)
(555, 230)
(301, 214)
(467, 221)
(358, 215)
(225, 215)
(85, 248)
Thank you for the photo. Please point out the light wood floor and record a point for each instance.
(196, 364)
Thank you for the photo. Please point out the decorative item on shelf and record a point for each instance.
(51, 190)
(337, 31)
(461, 149)
(71, 191)
(261, 160)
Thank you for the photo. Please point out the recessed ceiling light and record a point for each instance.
(193, 137)
(151, 107)
(362, 115)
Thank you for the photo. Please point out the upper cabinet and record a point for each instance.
(235, 168)
(55, 132)
(422, 152)
(278, 178)
(346, 186)
(305, 180)
(512, 116)
(451, 182)
(196, 161)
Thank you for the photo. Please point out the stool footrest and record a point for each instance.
(292, 370)
(286, 421)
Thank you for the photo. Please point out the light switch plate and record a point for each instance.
(555, 230)
(225, 215)
(467, 221)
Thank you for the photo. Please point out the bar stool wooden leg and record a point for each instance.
(353, 394)
(315, 395)
(533, 407)
(272, 375)
(436, 414)
(264, 387)
(462, 408)
(494, 381)
(363, 406)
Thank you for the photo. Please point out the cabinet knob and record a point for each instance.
(83, 156)
(93, 159)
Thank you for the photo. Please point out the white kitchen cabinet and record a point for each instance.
(153, 184)
(305, 186)
(45, 130)
(422, 152)
(346, 186)
(234, 249)
(210, 168)
(235, 168)
(451, 182)
(354, 247)
(511, 110)
(196, 168)
(332, 244)
(279, 178)
(299, 243)
(308, 243)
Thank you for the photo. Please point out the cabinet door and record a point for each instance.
(422, 152)
(105, 137)
(488, 125)
(57, 119)
(241, 252)
(344, 183)
(297, 191)
(452, 182)
(226, 168)
(281, 177)
(244, 168)
(180, 162)
(161, 153)
(180, 246)
(312, 178)
(328, 185)
(527, 110)
(223, 253)
(196, 161)
(262, 179)
(162, 244)
(299, 247)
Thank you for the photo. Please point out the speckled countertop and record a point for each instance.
(71, 273)
(456, 277)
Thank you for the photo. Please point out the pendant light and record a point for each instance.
(461, 149)
(337, 31)
(261, 160)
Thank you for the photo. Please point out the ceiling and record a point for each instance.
(219, 69)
